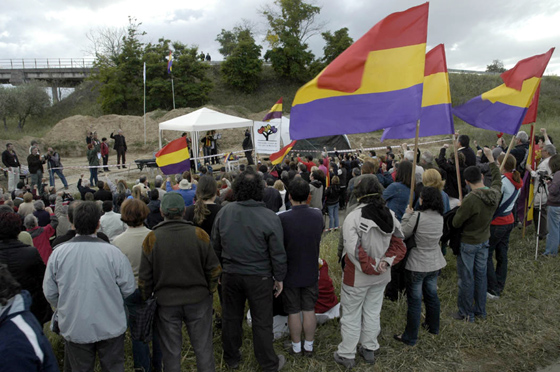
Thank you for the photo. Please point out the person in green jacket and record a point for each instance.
(474, 216)
(93, 160)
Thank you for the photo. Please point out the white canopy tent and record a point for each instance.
(202, 120)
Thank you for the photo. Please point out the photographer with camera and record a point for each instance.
(55, 167)
(540, 176)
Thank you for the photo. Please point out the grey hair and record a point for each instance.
(427, 157)
(86, 183)
(522, 136)
(39, 205)
(30, 221)
(409, 155)
(550, 149)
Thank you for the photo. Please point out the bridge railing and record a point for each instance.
(36, 63)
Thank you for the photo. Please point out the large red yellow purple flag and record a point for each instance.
(435, 116)
(504, 108)
(376, 83)
(174, 157)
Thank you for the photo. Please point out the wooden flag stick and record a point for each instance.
(530, 157)
(459, 188)
(507, 154)
(413, 181)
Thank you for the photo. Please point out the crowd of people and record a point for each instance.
(89, 265)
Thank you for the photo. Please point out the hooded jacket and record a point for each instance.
(371, 236)
(316, 192)
(23, 345)
(249, 240)
(477, 210)
(27, 267)
(155, 216)
(509, 187)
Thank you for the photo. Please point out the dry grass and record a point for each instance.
(521, 332)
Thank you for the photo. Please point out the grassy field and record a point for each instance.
(521, 331)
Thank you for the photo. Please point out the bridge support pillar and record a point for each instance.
(55, 93)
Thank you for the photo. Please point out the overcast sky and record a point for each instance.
(474, 32)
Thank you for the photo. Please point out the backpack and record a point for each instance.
(451, 235)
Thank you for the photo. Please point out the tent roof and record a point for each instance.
(204, 119)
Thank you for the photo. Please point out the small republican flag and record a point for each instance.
(170, 62)
(275, 112)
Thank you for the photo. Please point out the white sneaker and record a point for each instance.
(490, 296)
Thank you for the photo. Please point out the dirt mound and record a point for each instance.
(69, 134)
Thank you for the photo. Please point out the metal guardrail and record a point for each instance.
(39, 63)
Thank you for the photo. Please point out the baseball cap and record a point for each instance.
(172, 203)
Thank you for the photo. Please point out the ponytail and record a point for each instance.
(200, 211)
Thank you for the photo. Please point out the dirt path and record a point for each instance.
(72, 173)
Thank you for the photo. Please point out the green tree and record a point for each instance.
(228, 41)
(121, 90)
(121, 82)
(496, 66)
(335, 44)
(243, 67)
(7, 104)
(29, 99)
(292, 23)
(190, 81)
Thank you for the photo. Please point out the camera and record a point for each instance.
(543, 175)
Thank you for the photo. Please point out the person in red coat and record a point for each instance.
(41, 235)
(105, 153)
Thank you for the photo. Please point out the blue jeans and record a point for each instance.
(333, 215)
(58, 172)
(553, 237)
(471, 270)
(141, 350)
(418, 284)
(499, 242)
(93, 176)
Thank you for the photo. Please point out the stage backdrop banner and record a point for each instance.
(267, 136)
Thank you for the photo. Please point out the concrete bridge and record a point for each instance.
(56, 72)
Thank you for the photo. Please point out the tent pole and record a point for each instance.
(159, 131)
(194, 135)
(254, 144)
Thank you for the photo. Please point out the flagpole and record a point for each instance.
(173, 91)
(459, 187)
(415, 157)
(531, 156)
(507, 154)
(145, 103)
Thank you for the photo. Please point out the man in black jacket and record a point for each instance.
(25, 264)
(248, 147)
(120, 146)
(464, 148)
(84, 187)
(10, 160)
(102, 194)
(249, 242)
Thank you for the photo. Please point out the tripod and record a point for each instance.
(540, 187)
